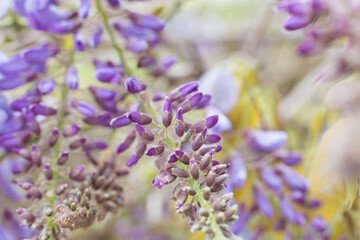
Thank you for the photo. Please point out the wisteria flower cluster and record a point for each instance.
(276, 186)
(91, 96)
(326, 25)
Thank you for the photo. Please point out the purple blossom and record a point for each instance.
(108, 75)
(263, 202)
(84, 9)
(147, 21)
(72, 78)
(46, 86)
(134, 85)
(238, 172)
(79, 42)
(268, 141)
(84, 108)
(95, 38)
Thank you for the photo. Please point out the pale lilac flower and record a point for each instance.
(268, 141)
(72, 78)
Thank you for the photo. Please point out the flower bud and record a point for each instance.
(84, 108)
(35, 155)
(71, 131)
(263, 202)
(210, 178)
(211, 121)
(198, 142)
(63, 158)
(140, 118)
(84, 9)
(39, 109)
(72, 79)
(134, 85)
(46, 86)
(183, 90)
(271, 180)
(213, 138)
(146, 134)
(167, 112)
(191, 103)
(198, 126)
(95, 38)
(53, 137)
(194, 169)
(77, 143)
(98, 145)
(205, 161)
(155, 150)
(76, 173)
(138, 153)
(48, 171)
(129, 139)
(120, 121)
(108, 75)
(180, 172)
(79, 42)
(206, 193)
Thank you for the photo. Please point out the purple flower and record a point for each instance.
(108, 75)
(216, 82)
(71, 131)
(140, 118)
(137, 45)
(98, 145)
(318, 223)
(84, 9)
(120, 121)
(46, 86)
(64, 27)
(84, 108)
(164, 65)
(238, 172)
(271, 179)
(267, 141)
(39, 109)
(134, 85)
(287, 209)
(307, 47)
(296, 22)
(293, 179)
(114, 3)
(79, 42)
(147, 21)
(138, 153)
(103, 94)
(289, 158)
(167, 112)
(263, 202)
(11, 83)
(39, 54)
(183, 90)
(95, 38)
(6, 188)
(72, 78)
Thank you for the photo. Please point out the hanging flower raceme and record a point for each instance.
(276, 186)
(184, 151)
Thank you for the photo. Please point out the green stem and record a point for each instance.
(207, 206)
(57, 149)
(112, 37)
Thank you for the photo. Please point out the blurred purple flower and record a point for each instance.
(267, 141)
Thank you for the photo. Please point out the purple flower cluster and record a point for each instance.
(183, 151)
(277, 185)
(324, 23)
